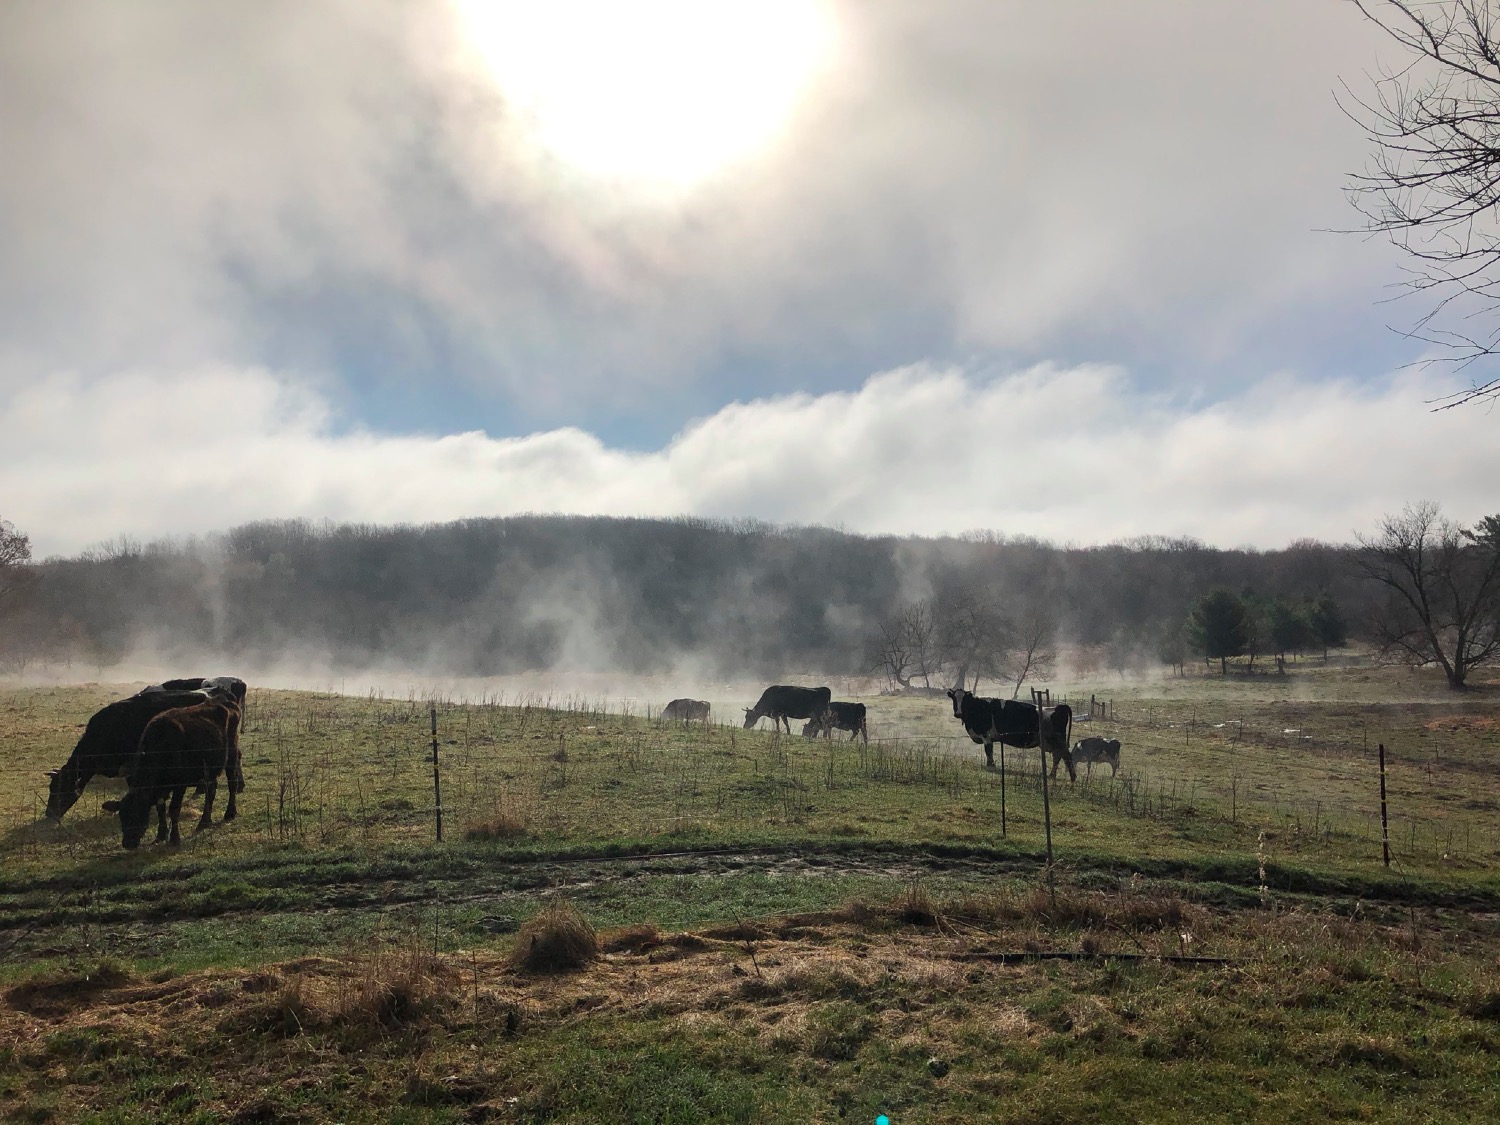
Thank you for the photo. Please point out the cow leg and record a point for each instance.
(989, 755)
(176, 812)
(230, 812)
(1067, 761)
(210, 787)
(161, 819)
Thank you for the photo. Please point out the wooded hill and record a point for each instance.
(490, 596)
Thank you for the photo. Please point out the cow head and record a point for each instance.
(135, 815)
(811, 729)
(63, 791)
(958, 695)
(752, 716)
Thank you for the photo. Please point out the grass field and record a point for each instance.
(789, 930)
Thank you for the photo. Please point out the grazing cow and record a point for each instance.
(783, 703)
(1013, 723)
(186, 746)
(228, 689)
(109, 742)
(688, 710)
(1087, 751)
(839, 716)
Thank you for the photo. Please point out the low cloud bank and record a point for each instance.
(1070, 454)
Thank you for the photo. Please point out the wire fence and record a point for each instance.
(1192, 766)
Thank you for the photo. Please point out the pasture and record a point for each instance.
(789, 929)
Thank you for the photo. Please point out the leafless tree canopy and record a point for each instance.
(1443, 587)
(961, 636)
(1433, 184)
(15, 553)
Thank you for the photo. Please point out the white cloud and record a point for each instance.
(325, 186)
(1072, 454)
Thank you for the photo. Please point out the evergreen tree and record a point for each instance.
(1219, 627)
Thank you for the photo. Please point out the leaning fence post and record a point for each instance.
(1385, 831)
(1046, 799)
(437, 780)
(1002, 789)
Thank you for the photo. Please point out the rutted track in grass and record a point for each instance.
(145, 889)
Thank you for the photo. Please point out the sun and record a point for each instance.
(656, 91)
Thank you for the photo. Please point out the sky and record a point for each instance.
(1079, 271)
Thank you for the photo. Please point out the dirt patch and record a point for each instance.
(1453, 724)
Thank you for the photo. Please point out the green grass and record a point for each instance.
(1244, 825)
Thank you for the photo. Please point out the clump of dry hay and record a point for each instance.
(557, 940)
(501, 825)
(916, 907)
(385, 990)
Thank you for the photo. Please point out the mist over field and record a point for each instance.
(629, 608)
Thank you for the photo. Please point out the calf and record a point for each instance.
(108, 744)
(783, 703)
(1087, 751)
(688, 710)
(839, 716)
(184, 747)
(1013, 723)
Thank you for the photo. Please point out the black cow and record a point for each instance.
(1087, 751)
(186, 746)
(783, 703)
(688, 710)
(839, 716)
(109, 742)
(1013, 723)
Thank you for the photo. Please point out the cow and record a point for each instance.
(228, 688)
(688, 710)
(1087, 751)
(839, 716)
(232, 684)
(1013, 723)
(783, 703)
(109, 742)
(182, 747)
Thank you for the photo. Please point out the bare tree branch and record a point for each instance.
(1433, 184)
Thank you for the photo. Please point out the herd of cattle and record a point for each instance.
(184, 733)
(1008, 722)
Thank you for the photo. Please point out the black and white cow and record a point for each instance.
(688, 710)
(1087, 751)
(1013, 723)
(784, 703)
(839, 716)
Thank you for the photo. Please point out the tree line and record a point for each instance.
(495, 596)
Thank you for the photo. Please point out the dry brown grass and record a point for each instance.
(556, 940)
(386, 990)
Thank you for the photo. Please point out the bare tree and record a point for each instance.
(908, 646)
(1433, 184)
(1032, 650)
(1443, 586)
(15, 555)
(972, 636)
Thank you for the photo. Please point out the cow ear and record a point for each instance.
(111, 806)
(53, 773)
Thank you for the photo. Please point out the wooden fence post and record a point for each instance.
(1046, 798)
(1385, 830)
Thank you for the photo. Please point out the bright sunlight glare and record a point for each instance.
(668, 91)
